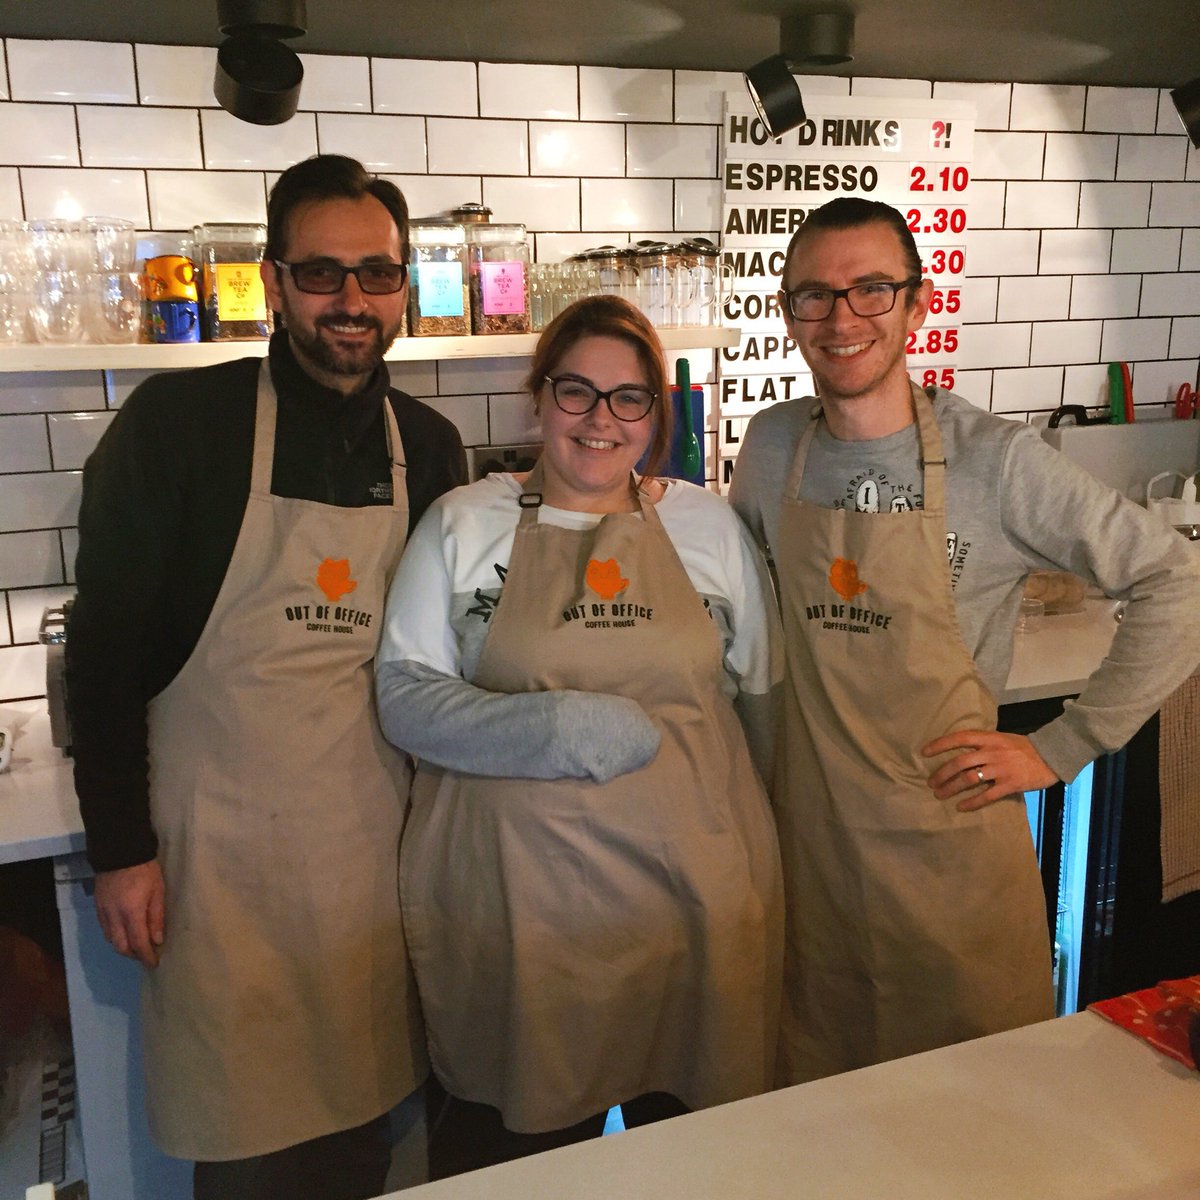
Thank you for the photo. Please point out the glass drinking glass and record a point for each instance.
(56, 310)
(112, 306)
(54, 244)
(110, 244)
(14, 309)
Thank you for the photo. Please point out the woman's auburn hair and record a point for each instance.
(610, 316)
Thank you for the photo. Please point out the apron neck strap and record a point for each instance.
(263, 458)
(264, 432)
(933, 460)
(531, 498)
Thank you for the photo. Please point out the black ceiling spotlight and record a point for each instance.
(257, 77)
(1187, 103)
(805, 38)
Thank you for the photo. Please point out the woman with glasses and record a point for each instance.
(589, 873)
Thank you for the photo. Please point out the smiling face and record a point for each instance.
(587, 459)
(339, 339)
(855, 358)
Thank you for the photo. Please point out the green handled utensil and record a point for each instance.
(689, 446)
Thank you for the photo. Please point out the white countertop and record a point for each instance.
(1072, 1109)
(1058, 659)
(39, 815)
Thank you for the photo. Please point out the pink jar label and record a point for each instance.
(502, 285)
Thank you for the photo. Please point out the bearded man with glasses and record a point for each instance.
(238, 528)
(902, 524)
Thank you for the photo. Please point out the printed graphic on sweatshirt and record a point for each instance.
(873, 491)
(957, 549)
(847, 618)
(332, 579)
(486, 602)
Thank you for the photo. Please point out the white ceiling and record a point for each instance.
(1152, 43)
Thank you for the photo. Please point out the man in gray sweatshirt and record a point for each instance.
(902, 527)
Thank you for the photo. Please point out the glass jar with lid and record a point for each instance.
(699, 264)
(470, 214)
(438, 301)
(656, 292)
(233, 301)
(498, 255)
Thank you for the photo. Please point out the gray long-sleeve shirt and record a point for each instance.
(1013, 505)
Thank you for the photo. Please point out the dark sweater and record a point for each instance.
(163, 498)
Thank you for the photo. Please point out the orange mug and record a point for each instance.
(170, 277)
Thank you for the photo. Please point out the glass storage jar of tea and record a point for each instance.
(233, 299)
(498, 255)
(470, 214)
(438, 302)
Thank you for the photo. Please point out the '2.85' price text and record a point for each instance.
(943, 378)
(932, 341)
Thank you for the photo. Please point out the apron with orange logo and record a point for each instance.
(579, 944)
(282, 1008)
(911, 925)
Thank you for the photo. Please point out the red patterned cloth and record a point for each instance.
(1161, 1015)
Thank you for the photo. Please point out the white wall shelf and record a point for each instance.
(28, 358)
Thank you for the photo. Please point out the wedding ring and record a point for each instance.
(979, 774)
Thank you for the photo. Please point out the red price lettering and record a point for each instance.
(943, 378)
(947, 262)
(949, 300)
(937, 341)
(948, 179)
(952, 219)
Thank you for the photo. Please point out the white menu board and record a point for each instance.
(913, 154)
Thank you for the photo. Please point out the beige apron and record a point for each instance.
(579, 944)
(282, 1008)
(910, 925)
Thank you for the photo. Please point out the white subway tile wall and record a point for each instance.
(520, 90)
(621, 94)
(87, 191)
(1085, 214)
(1121, 110)
(233, 145)
(483, 147)
(671, 151)
(138, 137)
(577, 148)
(538, 204)
(180, 75)
(429, 194)
(10, 194)
(414, 85)
(991, 100)
(71, 71)
(335, 83)
(382, 143)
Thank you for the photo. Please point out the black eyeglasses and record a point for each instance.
(325, 276)
(576, 396)
(865, 299)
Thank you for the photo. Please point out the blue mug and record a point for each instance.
(174, 321)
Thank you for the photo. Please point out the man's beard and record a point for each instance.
(337, 359)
